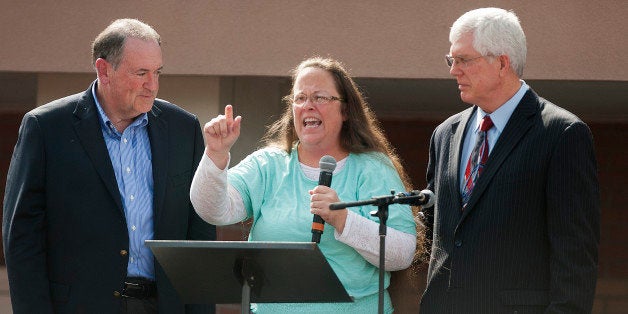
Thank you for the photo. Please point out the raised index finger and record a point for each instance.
(229, 113)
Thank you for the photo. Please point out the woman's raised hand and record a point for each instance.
(221, 133)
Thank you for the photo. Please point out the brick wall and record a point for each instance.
(9, 126)
(612, 157)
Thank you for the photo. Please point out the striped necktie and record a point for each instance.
(477, 160)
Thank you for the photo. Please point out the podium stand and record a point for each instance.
(244, 272)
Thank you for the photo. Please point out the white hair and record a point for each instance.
(495, 32)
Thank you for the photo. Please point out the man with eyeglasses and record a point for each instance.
(515, 228)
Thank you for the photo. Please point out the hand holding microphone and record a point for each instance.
(327, 164)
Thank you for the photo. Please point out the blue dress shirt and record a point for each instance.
(130, 155)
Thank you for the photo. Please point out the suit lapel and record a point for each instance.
(455, 150)
(518, 125)
(158, 135)
(88, 130)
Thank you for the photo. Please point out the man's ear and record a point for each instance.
(504, 63)
(102, 70)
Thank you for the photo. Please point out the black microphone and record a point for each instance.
(423, 198)
(327, 165)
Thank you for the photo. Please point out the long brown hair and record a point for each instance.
(360, 133)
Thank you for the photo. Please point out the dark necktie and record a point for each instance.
(477, 160)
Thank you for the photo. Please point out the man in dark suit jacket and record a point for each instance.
(95, 174)
(526, 239)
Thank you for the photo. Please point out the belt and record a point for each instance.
(139, 288)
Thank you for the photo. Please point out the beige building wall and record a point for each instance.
(568, 39)
(240, 52)
(396, 47)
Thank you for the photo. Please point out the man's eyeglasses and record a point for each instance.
(459, 60)
(301, 99)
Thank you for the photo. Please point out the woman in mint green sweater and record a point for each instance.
(278, 187)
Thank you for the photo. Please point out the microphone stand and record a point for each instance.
(382, 213)
(382, 203)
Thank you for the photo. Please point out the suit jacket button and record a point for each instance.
(458, 243)
(124, 252)
(116, 294)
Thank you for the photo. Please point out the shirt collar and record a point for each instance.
(501, 116)
(141, 120)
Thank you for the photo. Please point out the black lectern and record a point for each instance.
(244, 272)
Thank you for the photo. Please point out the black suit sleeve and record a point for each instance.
(198, 228)
(428, 213)
(573, 221)
(23, 225)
